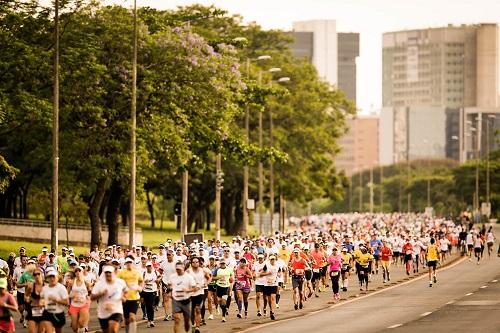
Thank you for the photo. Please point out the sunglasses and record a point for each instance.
(107, 272)
(36, 274)
(195, 262)
(226, 251)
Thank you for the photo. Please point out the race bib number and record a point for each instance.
(51, 307)
(37, 311)
(315, 270)
(334, 273)
(270, 280)
(299, 271)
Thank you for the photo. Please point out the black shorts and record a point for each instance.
(130, 307)
(395, 254)
(470, 246)
(308, 274)
(324, 270)
(196, 300)
(270, 290)
(477, 250)
(212, 288)
(376, 257)
(297, 281)
(432, 263)
(104, 322)
(345, 269)
(29, 314)
(259, 288)
(221, 291)
(20, 298)
(408, 257)
(316, 276)
(57, 320)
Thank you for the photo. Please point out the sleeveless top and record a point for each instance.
(79, 294)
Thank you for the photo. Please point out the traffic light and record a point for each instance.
(219, 180)
(178, 208)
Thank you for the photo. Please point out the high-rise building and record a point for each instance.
(431, 77)
(320, 44)
(324, 54)
(359, 146)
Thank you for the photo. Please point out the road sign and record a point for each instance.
(250, 204)
(486, 209)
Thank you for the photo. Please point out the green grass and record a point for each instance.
(32, 248)
(152, 237)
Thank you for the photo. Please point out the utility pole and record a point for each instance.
(218, 188)
(133, 118)
(271, 171)
(244, 230)
(54, 241)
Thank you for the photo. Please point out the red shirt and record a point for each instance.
(319, 259)
(407, 248)
(298, 266)
(385, 253)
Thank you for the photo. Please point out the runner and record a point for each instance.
(135, 283)
(242, 285)
(151, 280)
(18, 272)
(55, 297)
(212, 287)
(490, 240)
(408, 255)
(432, 259)
(319, 259)
(110, 292)
(385, 256)
(224, 280)
(363, 259)
(271, 274)
(33, 300)
(470, 244)
(376, 245)
(298, 267)
(78, 291)
(8, 305)
(347, 260)
(167, 268)
(335, 262)
(260, 281)
(201, 278)
(182, 286)
(478, 244)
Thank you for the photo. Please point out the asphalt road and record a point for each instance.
(415, 307)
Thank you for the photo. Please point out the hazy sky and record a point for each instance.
(370, 18)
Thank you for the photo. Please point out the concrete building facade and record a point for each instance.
(360, 146)
(430, 78)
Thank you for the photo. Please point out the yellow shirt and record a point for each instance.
(133, 279)
(284, 254)
(432, 253)
(346, 259)
(364, 259)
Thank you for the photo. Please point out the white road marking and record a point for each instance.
(494, 281)
(482, 287)
(468, 294)
(425, 314)
(395, 325)
(450, 302)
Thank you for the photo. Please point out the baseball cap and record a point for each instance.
(127, 260)
(51, 272)
(3, 283)
(108, 269)
(149, 263)
(296, 251)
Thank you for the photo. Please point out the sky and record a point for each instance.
(370, 18)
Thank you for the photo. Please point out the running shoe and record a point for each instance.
(296, 306)
(239, 315)
(272, 316)
(223, 319)
(259, 314)
(277, 306)
(301, 306)
(197, 330)
(211, 317)
(435, 279)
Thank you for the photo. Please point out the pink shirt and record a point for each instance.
(335, 262)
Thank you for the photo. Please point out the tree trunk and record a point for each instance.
(150, 202)
(94, 209)
(227, 213)
(112, 212)
(125, 211)
(207, 228)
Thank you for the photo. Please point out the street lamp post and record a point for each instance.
(55, 136)
(218, 188)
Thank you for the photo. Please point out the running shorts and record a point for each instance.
(183, 307)
(222, 291)
(395, 254)
(297, 281)
(212, 288)
(432, 263)
(259, 288)
(104, 322)
(308, 274)
(57, 320)
(20, 298)
(270, 290)
(196, 300)
(130, 307)
(408, 257)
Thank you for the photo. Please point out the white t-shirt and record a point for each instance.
(257, 267)
(168, 269)
(179, 284)
(150, 285)
(272, 279)
(111, 303)
(18, 271)
(444, 244)
(199, 279)
(58, 291)
(490, 238)
(469, 240)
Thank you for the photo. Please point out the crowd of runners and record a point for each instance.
(199, 282)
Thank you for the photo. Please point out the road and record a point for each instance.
(454, 304)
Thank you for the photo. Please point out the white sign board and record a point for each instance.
(250, 204)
